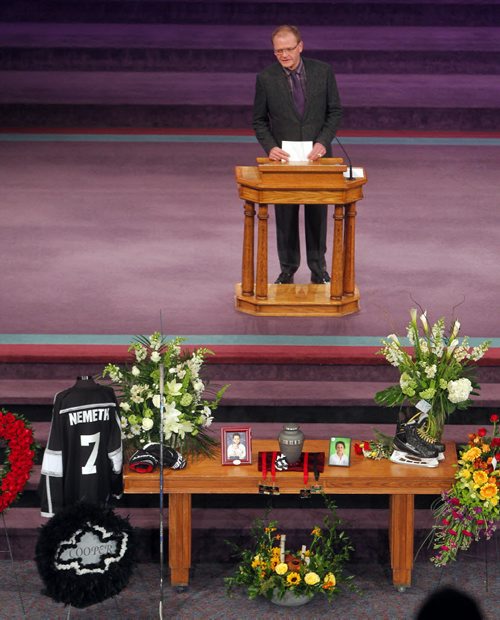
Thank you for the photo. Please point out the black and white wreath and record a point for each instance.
(85, 554)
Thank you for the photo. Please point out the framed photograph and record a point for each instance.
(236, 445)
(340, 451)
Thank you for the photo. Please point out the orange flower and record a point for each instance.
(480, 477)
(488, 491)
(472, 454)
(329, 581)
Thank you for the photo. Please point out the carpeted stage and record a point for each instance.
(102, 233)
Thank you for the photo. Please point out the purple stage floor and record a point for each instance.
(99, 237)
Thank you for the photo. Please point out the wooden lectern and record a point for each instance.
(318, 182)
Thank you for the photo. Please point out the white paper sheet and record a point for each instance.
(298, 151)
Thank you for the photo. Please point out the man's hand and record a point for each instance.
(317, 152)
(278, 154)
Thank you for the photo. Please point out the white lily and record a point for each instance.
(173, 388)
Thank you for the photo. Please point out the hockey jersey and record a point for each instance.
(83, 458)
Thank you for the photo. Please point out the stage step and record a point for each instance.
(188, 99)
(374, 12)
(259, 393)
(245, 49)
(165, 64)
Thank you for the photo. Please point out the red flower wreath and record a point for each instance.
(19, 457)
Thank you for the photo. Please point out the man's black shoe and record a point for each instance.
(320, 278)
(284, 278)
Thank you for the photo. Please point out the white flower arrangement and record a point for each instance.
(438, 370)
(186, 415)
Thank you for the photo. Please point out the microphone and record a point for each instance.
(348, 158)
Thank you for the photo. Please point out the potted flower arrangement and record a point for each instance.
(294, 577)
(470, 510)
(186, 414)
(437, 374)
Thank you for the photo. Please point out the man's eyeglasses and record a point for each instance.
(285, 50)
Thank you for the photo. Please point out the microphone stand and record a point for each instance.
(351, 177)
(162, 382)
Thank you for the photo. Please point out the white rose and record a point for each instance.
(155, 356)
(147, 424)
(156, 401)
(459, 390)
(135, 371)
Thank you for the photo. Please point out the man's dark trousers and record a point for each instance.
(287, 235)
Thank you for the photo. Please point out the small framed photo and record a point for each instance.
(236, 445)
(340, 451)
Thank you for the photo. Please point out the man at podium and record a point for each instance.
(296, 99)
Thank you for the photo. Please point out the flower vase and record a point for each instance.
(290, 599)
(435, 423)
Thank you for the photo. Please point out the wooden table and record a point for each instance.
(364, 476)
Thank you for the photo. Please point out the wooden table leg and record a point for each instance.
(401, 535)
(179, 538)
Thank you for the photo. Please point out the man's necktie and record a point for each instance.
(297, 93)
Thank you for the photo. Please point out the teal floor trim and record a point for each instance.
(209, 339)
(186, 138)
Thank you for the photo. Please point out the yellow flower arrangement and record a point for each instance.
(470, 510)
(273, 571)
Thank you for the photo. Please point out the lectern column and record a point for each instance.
(261, 284)
(349, 237)
(247, 268)
(337, 282)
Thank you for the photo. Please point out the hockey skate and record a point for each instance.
(410, 448)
